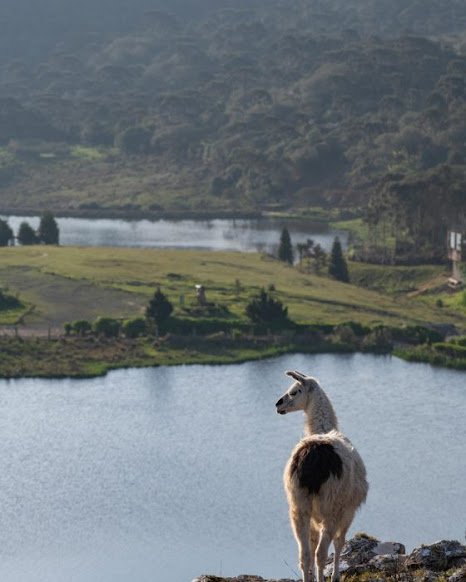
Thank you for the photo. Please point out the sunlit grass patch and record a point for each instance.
(86, 153)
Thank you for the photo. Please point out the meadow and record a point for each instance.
(55, 285)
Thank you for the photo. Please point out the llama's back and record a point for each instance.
(326, 472)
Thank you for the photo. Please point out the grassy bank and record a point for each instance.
(59, 284)
(66, 283)
(88, 357)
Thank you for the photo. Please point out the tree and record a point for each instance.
(27, 235)
(265, 309)
(48, 229)
(285, 249)
(159, 309)
(81, 326)
(134, 327)
(107, 326)
(337, 267)
(6, 234)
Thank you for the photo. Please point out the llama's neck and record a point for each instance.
(320, 415)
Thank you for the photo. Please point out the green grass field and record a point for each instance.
(67, 283)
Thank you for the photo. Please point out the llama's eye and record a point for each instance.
(293, 393)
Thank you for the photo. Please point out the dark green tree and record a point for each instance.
(48, 232)
(27, 235)
(6, 234)
(337, 267)
(159, 309)
(265, 309)
(285, 249)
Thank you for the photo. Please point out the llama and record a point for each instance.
(325, 478)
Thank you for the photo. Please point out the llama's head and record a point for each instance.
(298, 394)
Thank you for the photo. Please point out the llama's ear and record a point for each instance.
(301, 378)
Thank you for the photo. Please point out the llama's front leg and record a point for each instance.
(301, 523)
(322, 553)
(338, 544)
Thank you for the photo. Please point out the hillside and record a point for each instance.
(358, 105)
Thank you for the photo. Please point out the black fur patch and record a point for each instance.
(313, 464)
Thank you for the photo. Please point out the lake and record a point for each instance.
(247, 235)
(167, 473)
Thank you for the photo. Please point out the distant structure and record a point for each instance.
(201, 298)
(456, 247)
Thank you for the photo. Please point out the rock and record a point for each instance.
(438, 557)
(459, 575)
(386, 561)
(241, 578)
(367, 554)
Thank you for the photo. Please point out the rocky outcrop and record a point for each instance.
(370, 560)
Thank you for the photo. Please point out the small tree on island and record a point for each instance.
(27, 235)
(6, 234)
(48, 231)
(158, 310)
(285, 248)
(265, 309)
(337, 267)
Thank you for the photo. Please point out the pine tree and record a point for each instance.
(27, 235)
(48, 229)
(285, 249)
(159, 309)
(338, 268)
(6, 234)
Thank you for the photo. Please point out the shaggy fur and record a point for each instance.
(325, 478)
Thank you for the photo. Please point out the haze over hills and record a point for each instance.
(236, 107)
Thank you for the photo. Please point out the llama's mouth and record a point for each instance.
(281, 411)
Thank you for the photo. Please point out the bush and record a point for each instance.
(134, 327)
(81, 327)
(265, 309)
(452, 350)
(8, 302)
(106, 326)
(416, 334)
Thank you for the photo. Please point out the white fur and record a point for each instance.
(318, 519)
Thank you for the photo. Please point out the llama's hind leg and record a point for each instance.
(322, 552)
(301, 522)
(338, 543)
(313, 543)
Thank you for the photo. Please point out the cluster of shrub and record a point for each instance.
(48, 232)
(108, 327)
(8, 301)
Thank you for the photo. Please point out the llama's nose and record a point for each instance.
(279, 402)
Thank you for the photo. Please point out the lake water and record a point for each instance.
(162, 474)
(221, 234)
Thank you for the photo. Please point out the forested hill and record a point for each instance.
(33, 28)
(205, 105)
